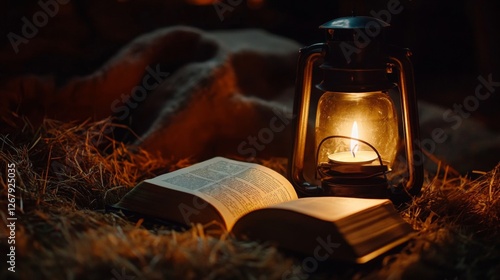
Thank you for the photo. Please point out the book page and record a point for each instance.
(233, 187)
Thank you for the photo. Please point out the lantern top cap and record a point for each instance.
(352, 22)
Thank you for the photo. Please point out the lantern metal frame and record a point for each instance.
(340, 78)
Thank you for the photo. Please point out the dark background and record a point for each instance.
(453, 42)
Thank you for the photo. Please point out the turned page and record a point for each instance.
(234, 188)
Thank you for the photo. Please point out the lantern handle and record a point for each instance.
(400, 57)
(307, 56)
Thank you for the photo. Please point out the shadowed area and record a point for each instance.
(96, 96)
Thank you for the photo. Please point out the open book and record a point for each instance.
(255, 201)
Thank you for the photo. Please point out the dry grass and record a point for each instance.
(459, 228)
(68, 172)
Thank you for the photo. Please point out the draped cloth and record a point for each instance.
(184, 92)
(190, 93)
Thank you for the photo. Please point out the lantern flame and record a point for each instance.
(354, 143)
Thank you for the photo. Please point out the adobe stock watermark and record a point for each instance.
(228, 6)
(61, 169)
(470, 104)
(362, 38)
(257, 143)
(321, 253)
(139, 93)
(30, 28)
(122, 106)
(122, 276)
(483, 91)
(11, 216)
(195, 208)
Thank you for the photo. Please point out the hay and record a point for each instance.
(68, 172)
(459, 224)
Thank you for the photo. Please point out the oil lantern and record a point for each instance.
(350, 138)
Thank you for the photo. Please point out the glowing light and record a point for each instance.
(354, 143)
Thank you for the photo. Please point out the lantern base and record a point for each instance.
(375, 187)
(352, 171)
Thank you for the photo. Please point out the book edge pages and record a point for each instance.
(130, 199)
(359, 259)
